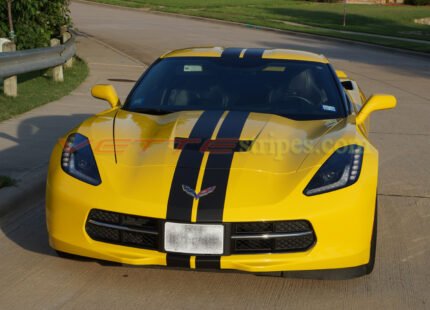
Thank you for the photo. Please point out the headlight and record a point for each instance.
(78, 159)
(342, 169)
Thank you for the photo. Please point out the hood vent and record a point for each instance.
(220, 146)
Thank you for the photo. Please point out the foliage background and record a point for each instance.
(35, 21)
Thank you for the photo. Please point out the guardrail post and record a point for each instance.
(57, 72)
(66, 37)
(10, 84)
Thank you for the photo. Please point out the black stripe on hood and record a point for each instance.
(217, 171)
(180, 205)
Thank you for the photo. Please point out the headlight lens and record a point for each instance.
(342, 169)
(78, 159)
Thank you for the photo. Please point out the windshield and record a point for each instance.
(294, 89)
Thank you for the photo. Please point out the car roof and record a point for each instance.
(284, 54)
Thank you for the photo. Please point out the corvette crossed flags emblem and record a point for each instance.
(202, 193)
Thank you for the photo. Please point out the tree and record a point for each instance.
(34, 22)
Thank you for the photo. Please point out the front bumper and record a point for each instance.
(343, 231)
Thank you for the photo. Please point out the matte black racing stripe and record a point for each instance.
(231, 53)
(208, 262)
(217, 171)
(178, 260)
(254, 53)
(180, 205)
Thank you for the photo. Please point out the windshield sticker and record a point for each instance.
(193, 68)
(274, 69)
(329, 108)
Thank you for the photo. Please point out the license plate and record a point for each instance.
(194, 238)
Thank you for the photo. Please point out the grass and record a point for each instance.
(387, 20)
(38, 88)
(6, 181)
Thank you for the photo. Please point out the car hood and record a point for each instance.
(146, 173)
(272, 143)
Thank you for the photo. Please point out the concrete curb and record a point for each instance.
(30, 189)
(263, 28)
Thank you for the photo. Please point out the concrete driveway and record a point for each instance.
(33, 277)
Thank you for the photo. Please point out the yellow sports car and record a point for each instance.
(255, 160)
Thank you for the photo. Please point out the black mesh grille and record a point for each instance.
(105, 217)
(140, 222)
(103, 233)
(145, 240)
(119, 232)
(253, 244)
(292, 226)
(245, 238)
(248, 237)
(266, 227)
(293, 243)
(247, 228)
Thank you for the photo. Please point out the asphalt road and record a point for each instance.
(31, 276)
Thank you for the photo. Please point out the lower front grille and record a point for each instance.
(243, 238)
(123, 229)
(252, 245)
(272, 237)
(103, 233)
(294, 243)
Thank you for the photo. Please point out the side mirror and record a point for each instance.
(108, 93)
(375, 103)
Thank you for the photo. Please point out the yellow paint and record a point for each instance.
(199, 187)
(218, 126)
(108, 93)
(293, 55)
(193, 262)
(341, 75)
(268, 54)
(375, 103)
(195, 52)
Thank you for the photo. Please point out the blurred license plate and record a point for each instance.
(194, 238)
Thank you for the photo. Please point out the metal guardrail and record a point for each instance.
(15, 63)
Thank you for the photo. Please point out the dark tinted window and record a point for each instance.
(298, 90)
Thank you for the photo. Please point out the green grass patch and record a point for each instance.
(6, 181)
(38, 88)
(397, 21)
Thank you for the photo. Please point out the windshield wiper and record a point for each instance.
(152, 111)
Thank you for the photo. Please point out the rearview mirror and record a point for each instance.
(375, 103)
(108, 93)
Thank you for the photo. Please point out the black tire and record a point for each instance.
(371, 264)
